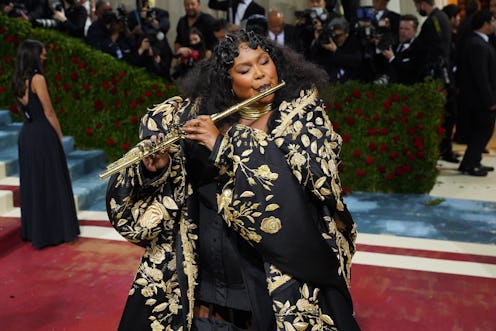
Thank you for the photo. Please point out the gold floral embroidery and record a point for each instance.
(271, 225)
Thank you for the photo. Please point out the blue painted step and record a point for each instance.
(84, 165)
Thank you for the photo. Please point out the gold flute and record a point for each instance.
(135, 155)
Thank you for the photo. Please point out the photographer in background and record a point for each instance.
(338, 52)
(28, 10)
(146, 56)
(308, 22)
(70, 17)
(152, 24)
(109, 32)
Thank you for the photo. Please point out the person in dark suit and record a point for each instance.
(464, 32)
(237, 10)
(406, 57)
(478, 92)
(279, 31)
(383, 17)
(434, 38)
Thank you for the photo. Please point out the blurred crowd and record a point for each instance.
(369, 44)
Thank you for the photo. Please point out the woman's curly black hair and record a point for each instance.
(210, 78)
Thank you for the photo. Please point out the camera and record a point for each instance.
(18, 9)
(326, 34)
(310, 16)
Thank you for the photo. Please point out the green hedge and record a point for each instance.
(390, 132)
(390, 135)
(99, 100)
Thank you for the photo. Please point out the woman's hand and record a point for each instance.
(156, 161)
(203, 130)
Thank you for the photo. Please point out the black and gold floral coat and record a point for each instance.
(279, 190)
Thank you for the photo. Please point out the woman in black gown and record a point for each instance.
(48, 212)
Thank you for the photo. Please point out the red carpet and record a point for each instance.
(79, 286)
(82, 286)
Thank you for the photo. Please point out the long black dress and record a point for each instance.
(48, 212)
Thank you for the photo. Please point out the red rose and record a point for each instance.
(76, 96)
(410, 131)
(359, 112)
(66, 87)
(420, 154)
(440, 130)
(118, 104)
(167, 86)
(381, 169)
(133, 105)
(396, 139)
(148, 94)
(75, 60)
(122, 75)
(74, 76)
(375, 118)
(383, 148)
(110, 141)
(356, 93)
(58, 77)
(126, 146)
(335, 125)
(350, 120)
(398, 171)
(360, 173)
(393, 155)
(347, 99)
(369, 160)
(98, 104)
(113, 91)
(88, 131)
(420, 114)
(346, 137)
(3, 89)
(346, 191)
(372, 146)
(159, 94)
(337, 106)
(118, 124)
(82, 65)
(13, 108)
(384, 131)
(98, 126)
(134, 119)
(154, 86)
(389, 176)
(11, 39)
(370, 95)
(395, 97)
(372, 131)
(356, 153)
(86, 87)
(62, 111)
(406, 110)
(105, 85)
(114, 80)
(387, 103)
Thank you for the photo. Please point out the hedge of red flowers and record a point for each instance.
(99, 100)
(390, 132)
(390, 135)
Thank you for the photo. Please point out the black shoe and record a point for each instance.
(451, 157)
(486, 168)
(475, 171)
(485, 151)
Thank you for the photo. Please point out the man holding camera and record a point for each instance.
(338, 52)
(150, 26)
(109, 32)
